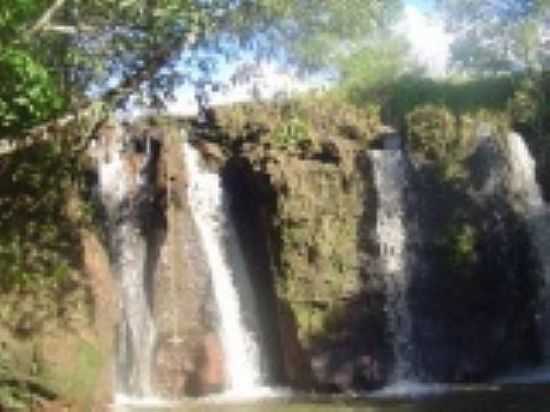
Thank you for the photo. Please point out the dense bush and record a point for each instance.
(431, 132)
(28, 94)
(39, 241)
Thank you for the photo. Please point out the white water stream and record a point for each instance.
(137, 331)
(391, 181)
(229, 276)
(526, 190)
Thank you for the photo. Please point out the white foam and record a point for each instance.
(257, 395)
(124, 402)
(527, 376)
(410, 389)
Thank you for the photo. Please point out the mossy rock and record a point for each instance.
(71, 366)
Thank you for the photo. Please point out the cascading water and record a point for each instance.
(523, 185)
(390, 177)
(120, 178)
(228, 273)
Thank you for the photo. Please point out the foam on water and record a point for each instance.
(260, 394)
(526, 376)
(410, 389)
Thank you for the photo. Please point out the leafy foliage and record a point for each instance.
(407, 92)
(28, 94)
(38, 239)
(308, 126)
(15, 15)
(460, 244)
(432, 132)
(158, 44)
(497, 36)
(294, 132)
(435, 140)
(368, 73)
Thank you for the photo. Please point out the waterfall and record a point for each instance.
(121, 177)
(390, 178)
(523, 185)
(228, 275)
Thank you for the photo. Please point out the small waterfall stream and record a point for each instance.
(526, 190)
(231, 285)
(391, 181)
(118, 180)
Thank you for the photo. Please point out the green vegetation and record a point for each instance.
(28, 94)
(292, 133)
(500, 36)
(39, 240)
(460, 245)
(309, 125)
(432, 132)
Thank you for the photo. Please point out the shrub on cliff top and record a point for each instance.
(435, 139)
(431, 132)
(308, 119)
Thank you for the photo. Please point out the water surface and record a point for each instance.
(468, 398)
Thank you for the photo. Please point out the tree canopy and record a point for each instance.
(64, 47)
(498, 35)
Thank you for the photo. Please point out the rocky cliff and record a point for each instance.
(303, 186)
(304, 203)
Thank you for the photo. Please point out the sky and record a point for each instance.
(426, 34)
(423, 5)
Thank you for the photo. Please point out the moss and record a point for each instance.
(309, 122)
(76, 377)
(432, 132)
(44, 294)
(292, 134)
(39, 221)
(443, 141)
(318, 220)
(460, 245)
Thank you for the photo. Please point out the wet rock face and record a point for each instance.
(487, 167)
(211, 373)
(473, 308)
(471, 298)
(306, 227)
(339, 370)
(152, 218)
(296, 365)
(252, 203)
(303, 227)
(172, 368)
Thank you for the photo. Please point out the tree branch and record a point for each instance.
(45, 19)
(70, 30)
(156, 61)
(112, 98)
